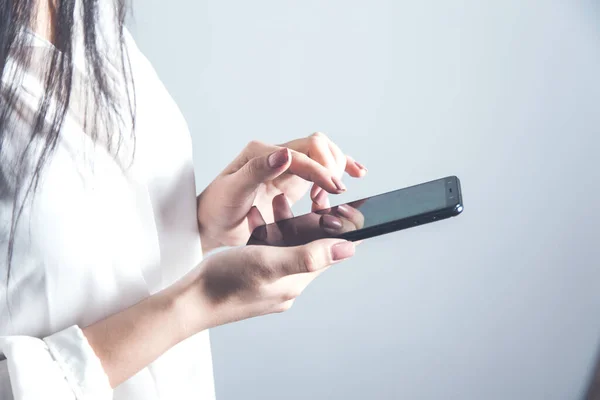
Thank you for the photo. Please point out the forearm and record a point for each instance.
(128, 341)
(208, 244)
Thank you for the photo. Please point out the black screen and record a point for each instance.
(402, 203)
(361, 214)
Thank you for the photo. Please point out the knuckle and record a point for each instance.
(316, 142)
(252, 171)
(290, 294)
(253, 167)
(319, 135)
(308, 262)
(262, 291)
(283, 307)
(247, 171)
(254, 144)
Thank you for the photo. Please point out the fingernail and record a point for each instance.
(321, 198)
(331, 222)
(344, 211)
(360, 166)
(278, 158)
(341, 251)
(338, 184)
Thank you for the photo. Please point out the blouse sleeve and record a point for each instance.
(60, 366)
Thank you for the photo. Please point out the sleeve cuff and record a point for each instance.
(82, 368)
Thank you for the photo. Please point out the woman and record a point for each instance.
(103, 291)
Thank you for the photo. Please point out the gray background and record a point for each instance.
(500, 303)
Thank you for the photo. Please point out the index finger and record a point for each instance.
(301, 165)
(310, 170)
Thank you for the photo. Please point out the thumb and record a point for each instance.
(259, 170)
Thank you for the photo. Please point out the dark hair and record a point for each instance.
(19, 176)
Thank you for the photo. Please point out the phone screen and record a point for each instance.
(402, 203)
(357, 215)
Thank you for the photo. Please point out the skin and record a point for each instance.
(45, 20)
(320, 224)
(235, 284)
(225, 207)
(240, 283)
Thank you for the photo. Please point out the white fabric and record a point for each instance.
(80, 366)
(95, 240)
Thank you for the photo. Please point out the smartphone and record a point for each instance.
(366, 218)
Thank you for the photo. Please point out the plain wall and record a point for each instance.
(500, 303)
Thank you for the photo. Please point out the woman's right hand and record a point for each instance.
(250, 281)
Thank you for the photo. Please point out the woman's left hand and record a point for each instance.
(242, 196)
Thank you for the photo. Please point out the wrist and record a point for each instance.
(208, 243)
(129, 340)
(184, 302)
(165, 307)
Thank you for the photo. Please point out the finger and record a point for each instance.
(319, 149)
(350, 214)
(255, 219)
(354, 168)
(288, 288)
(342, 162)
(340, 158)
(314, 191)
(319, 139)
(283, 216)
(310, 170)
(257, 170)
(326, 153)
(313, 256)
(247, 166)
(320, 199)
(281, 208)
(285, 306)
(335, 225)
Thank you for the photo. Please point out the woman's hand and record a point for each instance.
(226, 215)
(251, 281)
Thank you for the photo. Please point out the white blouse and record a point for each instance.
(95, 240)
